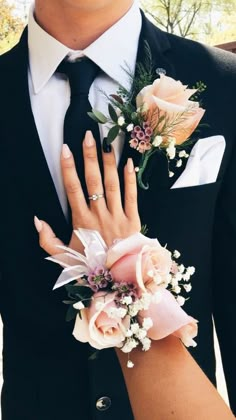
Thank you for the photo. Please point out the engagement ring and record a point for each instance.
(95, 197)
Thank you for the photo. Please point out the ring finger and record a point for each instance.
(92, 174)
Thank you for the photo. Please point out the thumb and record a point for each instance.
(47, 238)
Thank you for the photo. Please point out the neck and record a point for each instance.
(78, 25)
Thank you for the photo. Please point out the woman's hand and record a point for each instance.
(106, 214)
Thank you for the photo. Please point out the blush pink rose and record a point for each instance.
(169, 98)
(143, 262)
(169, 318)
(148, 267)
(96, 326)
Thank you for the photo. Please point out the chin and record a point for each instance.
(89, 5)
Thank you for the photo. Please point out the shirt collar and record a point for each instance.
(111, 51)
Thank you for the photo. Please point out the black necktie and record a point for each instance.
(81, 75)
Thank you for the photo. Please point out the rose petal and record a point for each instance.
(128, 246)
(168, 318)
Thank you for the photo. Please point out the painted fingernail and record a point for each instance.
(105, 146)
(66, 153)
(38, 224)
(130, 165)
(89, 140)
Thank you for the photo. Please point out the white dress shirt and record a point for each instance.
(113, 52)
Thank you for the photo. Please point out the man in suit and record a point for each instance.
(47, 374)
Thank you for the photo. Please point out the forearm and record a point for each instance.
(167, 384)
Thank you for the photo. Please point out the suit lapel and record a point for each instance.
(29, 164)
(160, 51)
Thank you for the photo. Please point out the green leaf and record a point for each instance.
(71, 313)
(112, 113)
(81, 292)
(94, 356)
(98, 116)
(144, 230)
(68, 302)
(112, 134)
(118, 99)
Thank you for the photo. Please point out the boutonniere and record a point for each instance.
(156, 115)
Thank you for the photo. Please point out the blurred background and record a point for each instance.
(211, 22)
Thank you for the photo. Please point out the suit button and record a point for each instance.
(103, 403)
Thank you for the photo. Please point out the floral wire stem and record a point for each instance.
(140, 170)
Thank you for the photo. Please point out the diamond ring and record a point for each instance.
(95, 197)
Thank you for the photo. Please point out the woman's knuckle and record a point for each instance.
(43, 242)
(91, 155)
(132, 180)
(131, 198)
(72, 187)
(111, 186)
(68, 164)
(93, 181)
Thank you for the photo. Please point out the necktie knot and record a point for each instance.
(81, 74)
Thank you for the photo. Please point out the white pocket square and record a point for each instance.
(203, 163)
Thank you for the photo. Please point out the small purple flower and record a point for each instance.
(145, 125)
(148, 131)
(125, 289)
(99, 279)
(137, 128)
(133, 143)
(140, 135)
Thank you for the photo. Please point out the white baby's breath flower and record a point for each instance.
(141, 334)
(78, 306)
(174, 282)
(135, 328)
(130, 364)
(178, 276)
(171, 174)
(188, 287)
(180, 300)
(171, 152)
(191, 270)
(147, 323)
(186, 277)
(129, 333)
(179, 163)
(116, 312)
(177, 290)
(129, 345)
(127, 300)
(181, 268)
(145, 301)
(130, 127)
(157, 141)
(183, 154)
(168, 278)
(176, 254)
(146, 343)
(121, 121)
(133, 311)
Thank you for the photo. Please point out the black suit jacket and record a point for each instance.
(46, 372)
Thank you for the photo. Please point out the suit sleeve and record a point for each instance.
(224, 276)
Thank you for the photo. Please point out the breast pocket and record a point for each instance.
(181, 214)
